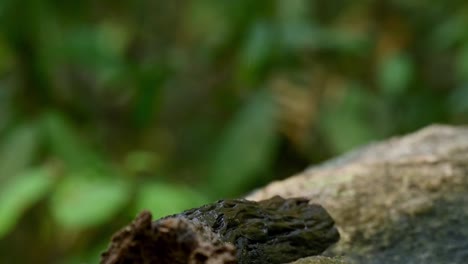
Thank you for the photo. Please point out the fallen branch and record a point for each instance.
(272, 231)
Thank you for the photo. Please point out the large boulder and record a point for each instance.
(403, 200)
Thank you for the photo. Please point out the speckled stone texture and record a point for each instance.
(402, 200)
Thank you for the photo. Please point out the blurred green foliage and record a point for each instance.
(111, 107)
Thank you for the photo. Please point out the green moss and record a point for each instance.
(320, 260)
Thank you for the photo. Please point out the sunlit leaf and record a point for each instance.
(247, 146)
(165, 199)
(19, 194)
(84, 200)
(395, 73)
(18, 150)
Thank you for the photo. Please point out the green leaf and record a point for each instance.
(20, 193)
(86, 199)
(448, 32)
(247, 146)
(345, 42)
(66, 144)
(7, 106)
(6, 56)
(458, 100)
(344, 122)
(256, 52)
(141, 161)
(165, 199)
(4, 8)
(208, 25)
(147, 100)
(300, 35)
(293, 10)
(462, 63)
(98, 49)
(18, 150)
(395, 73)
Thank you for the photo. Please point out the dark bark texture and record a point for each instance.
(172, 240)
(271, 231)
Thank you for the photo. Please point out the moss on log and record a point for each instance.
(271, 231)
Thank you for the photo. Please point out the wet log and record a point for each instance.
(271, 231)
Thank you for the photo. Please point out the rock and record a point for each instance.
(402, 200)
(320, 260)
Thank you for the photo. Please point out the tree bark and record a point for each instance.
(272, 231)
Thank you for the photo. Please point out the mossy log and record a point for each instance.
(271, 231)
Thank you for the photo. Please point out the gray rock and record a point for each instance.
(403, 200)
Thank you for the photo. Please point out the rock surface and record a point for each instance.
(319, 260)
(403, 200)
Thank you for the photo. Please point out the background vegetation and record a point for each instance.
(109, 107)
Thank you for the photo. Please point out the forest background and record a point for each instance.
(111, 107)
